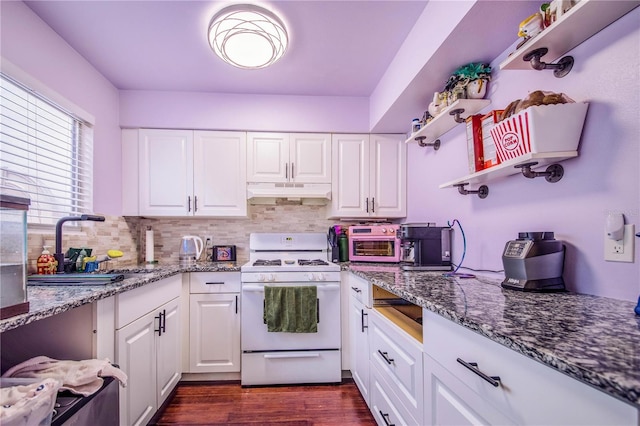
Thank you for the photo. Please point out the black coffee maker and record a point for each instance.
(425, 247)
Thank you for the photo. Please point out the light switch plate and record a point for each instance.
(623, 250)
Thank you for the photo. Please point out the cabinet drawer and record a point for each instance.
(137, 302)
(214, 282)
(386, 406)
(559, 399)
(360, 289)
(449, 401)
(398, 359)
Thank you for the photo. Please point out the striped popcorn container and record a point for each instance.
(537, 129)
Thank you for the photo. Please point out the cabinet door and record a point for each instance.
(135, 350)
(310, 158)
(388, 171)
(267, 157)
(168, 350)
(350, 171)
(166, 172)
(214, 328)
(220, 174)
(359, 333)
(448, 401)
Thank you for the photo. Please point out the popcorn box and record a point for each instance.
(543, 128)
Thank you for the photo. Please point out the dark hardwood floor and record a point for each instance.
(231, 404)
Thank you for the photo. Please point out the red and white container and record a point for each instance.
(543, 128)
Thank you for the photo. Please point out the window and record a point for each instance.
(45, 154)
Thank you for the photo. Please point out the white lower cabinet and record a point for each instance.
(359, 345)
(148, 347)
(396, 372)
(527, 392)
(214, 322)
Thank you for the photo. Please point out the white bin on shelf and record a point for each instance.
(537, 129)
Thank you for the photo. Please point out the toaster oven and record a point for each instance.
(374, 243)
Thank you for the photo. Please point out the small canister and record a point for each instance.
(46, 263)
(415, 125)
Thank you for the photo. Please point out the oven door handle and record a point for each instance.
(294, 355)
(260, 289)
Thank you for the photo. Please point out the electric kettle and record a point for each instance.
(190, 250)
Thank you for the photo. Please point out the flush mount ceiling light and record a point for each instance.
(248, 36)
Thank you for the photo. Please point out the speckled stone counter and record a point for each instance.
(46, 301)
(593, 339)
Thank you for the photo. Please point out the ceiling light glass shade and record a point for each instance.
(248, 36)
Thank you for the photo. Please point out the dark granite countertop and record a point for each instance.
(593, 339)
(46, 301)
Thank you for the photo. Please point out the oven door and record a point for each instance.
(256, 338)
(374, 249)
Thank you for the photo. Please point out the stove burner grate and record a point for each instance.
(315, 262)
(262, 262)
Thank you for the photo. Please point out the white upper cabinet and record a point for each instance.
(284, 157)
(220, 170)
(166, 172)
(369, 176)
(187, 173)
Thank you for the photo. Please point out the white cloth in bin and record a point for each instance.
(28, 405)
(80, 377)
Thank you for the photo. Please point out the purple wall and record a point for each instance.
(220, 111)
(602, 179)
(33, 46)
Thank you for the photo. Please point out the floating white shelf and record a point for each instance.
(444, 122)
(584, 19)
(507, 168)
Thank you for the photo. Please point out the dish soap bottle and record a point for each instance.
(79, 263)
(46, 263)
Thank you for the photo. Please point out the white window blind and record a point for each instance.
(45, 154)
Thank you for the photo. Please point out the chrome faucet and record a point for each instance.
(59, 255)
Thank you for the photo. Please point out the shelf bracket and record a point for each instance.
(562, 68)
(553, 173)
(482, 191)
(456, 115)
(435, 144)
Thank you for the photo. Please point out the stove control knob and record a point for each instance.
(320, 277)
(261, 277)
(383, 230)
(271, 277)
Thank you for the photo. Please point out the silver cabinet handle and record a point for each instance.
(195, 203)
(286, 171)
(215, 282)
(356, 289)
(366, 203)
(292, 177)
(188, 203)
(373, 205)
(473, 366)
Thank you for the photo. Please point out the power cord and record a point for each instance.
(464, 252)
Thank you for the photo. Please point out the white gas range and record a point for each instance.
(279, 260)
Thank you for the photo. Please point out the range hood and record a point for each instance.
(289, 190)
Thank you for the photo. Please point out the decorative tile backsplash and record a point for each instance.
(282, 217)
(128, 233)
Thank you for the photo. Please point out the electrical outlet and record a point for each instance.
(208, 240)
(621, 250)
